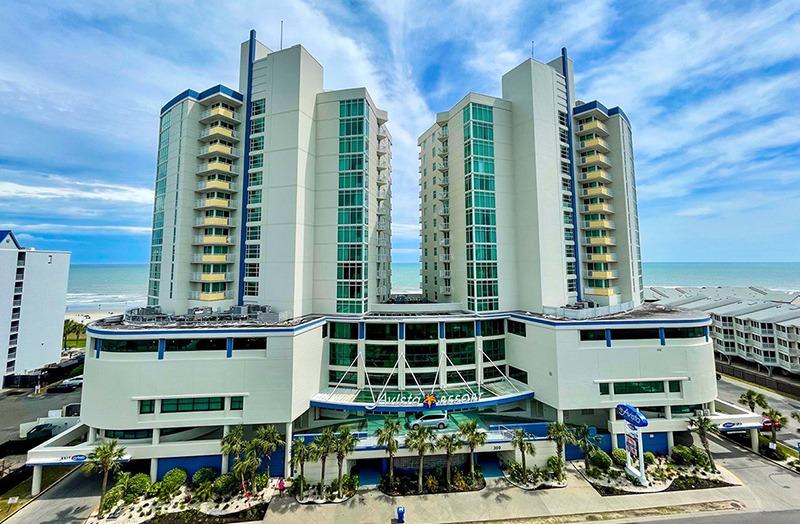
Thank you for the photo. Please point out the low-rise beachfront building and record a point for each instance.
(33, 294)
(319, 343)
(758, 326)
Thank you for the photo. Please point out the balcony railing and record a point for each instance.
(213, 202)
(217, 184)
(219, 112)
(212, 277)
(212, 221)
(211, 258)
(220, 149)
(444, 242)
(213, 239)
(210, 295)
(219, 130)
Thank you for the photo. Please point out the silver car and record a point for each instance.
(436, 419)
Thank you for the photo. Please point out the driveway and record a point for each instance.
(68, 502)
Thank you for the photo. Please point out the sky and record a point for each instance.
(711, 89)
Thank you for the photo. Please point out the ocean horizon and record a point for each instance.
(118, 286)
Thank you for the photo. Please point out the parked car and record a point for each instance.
(74, 381)
(766, 425)
(433, 419)
(40, 432)
(62, 388)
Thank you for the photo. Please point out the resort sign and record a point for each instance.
(635, 421)
(422, 400)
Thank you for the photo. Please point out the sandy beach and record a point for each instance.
(85, 317)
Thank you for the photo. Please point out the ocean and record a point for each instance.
(118, 286)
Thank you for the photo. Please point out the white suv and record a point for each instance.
(436, 420)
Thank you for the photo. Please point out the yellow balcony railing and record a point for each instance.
(595, 127)
(598, 208)
(215, 184)
(219, 131)
(217, 112)
(597, 191)
(602, 291)
(220, 149)
(601, 257)
(212, 277)
(599, 175)
(603, 275)
(594, 143)
(213, 239)
(596, 159)
(219, 295)
(601, 241)
(213, 202)
(598, 224)
(212, 221)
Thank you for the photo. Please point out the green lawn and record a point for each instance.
(72, 343)
(23, 489)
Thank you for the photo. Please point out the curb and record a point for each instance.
(45, 490)
(775, 462)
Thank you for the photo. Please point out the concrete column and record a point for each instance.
(442, 363)
(401, 365)
(361, 382)
(560, 415)
(156, 436)
(670, 441)
(287, 463)
(479, 360)
(92, 436)
(36, 484)
(754, 439)
(712, 406)
(612, 416)
(153, 469)
(224, 466)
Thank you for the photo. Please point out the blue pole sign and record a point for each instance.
(631, 415)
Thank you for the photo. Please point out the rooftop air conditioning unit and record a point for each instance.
(239, 311)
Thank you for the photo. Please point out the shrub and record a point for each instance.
(154, 489)
(113, 495)
(204, 491)
(294, 488)
(139, 484)
(172, 482)
(555, 466)
(262, 481)
(699, 456)
(224, 485)
(649, 458)
(350, 484)
(203, 475)
(620, 457)
(600, 459)
(682, 455)
(458, 481)
(431, 484)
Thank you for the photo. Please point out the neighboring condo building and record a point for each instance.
(755, 325)
(500, 347)
(276, 194)
(534, 187)
(33, 294)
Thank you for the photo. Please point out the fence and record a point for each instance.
(760, 379)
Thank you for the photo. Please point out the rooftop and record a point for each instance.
(237, 317)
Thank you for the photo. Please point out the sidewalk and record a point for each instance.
(499, 500)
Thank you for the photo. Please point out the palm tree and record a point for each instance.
(703, 426)
(583, 438)
(246, 465)
(559, 433)
(105, 459)
(450, 443)
(66, 331)
(473, 438)
(386, 438)
(751, 399)
(521, 441)
(233, 445)
(777, 419)
(267, 441)
(324, 446)
(344, 444)
(422, 440)
(300, 454)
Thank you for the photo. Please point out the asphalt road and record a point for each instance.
(731, 389)
(769, 517)
(21, 408)
(68, 502)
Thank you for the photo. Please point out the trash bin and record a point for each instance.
(401, 514)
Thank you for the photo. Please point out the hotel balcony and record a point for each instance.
(598, 224)
(601, 257)
(444, 273)
(597, 208)
(605, 275)
(222, 203)
(601, 191)
(382, 193)
(219, 150)
(442, 134)
(597, 159)
(382, 241)
(213, 240)
(219, 113)
(382, 150)
(382, 132)
(382, 275)
(593, 127)
(210, 296)
(382, 165)
(443, 151)
(444, 257)
(444, 210)
(444, 225)
(444, 242)
(212, 258)
(382, 179)
(212, 277)
(212, 221)
(383, 209)
(217, 167)
(600, 241)
(594, 143)
(599, 175)
(382, 258)
(383, 224)
(445, 290)
(204, 185)
(218, 132)
(602, 291)
(444, 180)
(442, 166)
(443, 195)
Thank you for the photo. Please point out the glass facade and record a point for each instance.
(479, 202)
(353, 210)
(156, 247)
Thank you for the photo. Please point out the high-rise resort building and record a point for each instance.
(270, 299)
(33, 294)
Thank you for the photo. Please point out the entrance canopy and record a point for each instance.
(430, 398)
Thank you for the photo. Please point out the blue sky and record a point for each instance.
(711, 89)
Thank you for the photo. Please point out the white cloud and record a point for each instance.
(78, 229)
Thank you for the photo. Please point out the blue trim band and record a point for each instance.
(477, 328)
(608, 338)
(162, 346)
(603, 109)
(661, 336)
(98, 345)
(401, 328)
(576, 231)
(705, 332)
(191, 93)
(362, 331)
(441, 329)
(229, 347)
(251, 54)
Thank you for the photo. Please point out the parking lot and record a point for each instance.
(18, 406)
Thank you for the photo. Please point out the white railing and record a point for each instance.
(593, 312)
